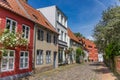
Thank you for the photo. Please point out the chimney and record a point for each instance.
(25, 1)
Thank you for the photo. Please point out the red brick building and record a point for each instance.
(91, 48)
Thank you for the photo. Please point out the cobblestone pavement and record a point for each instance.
(86, 71)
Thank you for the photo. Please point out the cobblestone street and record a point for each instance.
(86, 71)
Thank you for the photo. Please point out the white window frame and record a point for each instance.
(8, 57)
(24, 60)
(11, 25)
(25, 32)
(65, 35)
(48, 57)
(62, 35)
(40, 57)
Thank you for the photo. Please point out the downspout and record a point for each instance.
(34, 47)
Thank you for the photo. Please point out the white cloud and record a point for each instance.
(101, 3)
(117, 2)
(90, 38)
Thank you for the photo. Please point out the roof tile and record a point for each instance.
(23, 9)
(72, 36)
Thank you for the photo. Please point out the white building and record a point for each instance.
(58, 19)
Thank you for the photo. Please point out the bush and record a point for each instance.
(79, 52)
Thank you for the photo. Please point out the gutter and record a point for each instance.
(34, 48)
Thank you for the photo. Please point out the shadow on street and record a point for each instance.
(103, 68)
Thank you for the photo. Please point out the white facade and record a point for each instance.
(49, 13)
(68, 41)
(100, 57)
(59, 21)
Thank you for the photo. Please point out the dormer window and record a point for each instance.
(35, 16)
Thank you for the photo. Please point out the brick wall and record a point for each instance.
(117, 63)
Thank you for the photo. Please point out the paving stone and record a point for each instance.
(84, 71)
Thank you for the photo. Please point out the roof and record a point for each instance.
(13, 6)
(72, 36)
(87, 42)
(21, 8)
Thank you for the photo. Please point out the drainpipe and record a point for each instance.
(34, 47)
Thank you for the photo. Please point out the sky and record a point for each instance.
(82, 15)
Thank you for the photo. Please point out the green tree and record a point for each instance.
(107, 34)
(108, 29)
(79, 52)
(78, 34)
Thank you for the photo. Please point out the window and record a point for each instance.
(39, 57)
(24, 56)
(48, 37)
(63, 20)
(59, 32)
(71, 43)
(61, 35)
(35, 16)
(65, 37)
(58, 16)
(40, 35)
(65, 23)
(55, 39)
(48, 57)
(89, 46)
(26, 31)
(8, 61)
(11, 25)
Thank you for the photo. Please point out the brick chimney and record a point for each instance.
(25, 1)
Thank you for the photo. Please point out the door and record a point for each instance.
(55, 60)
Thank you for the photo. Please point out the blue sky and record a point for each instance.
(82, 15)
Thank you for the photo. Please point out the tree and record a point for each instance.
(79, 52)
(107, 35)
(78, 34)
(108, 29)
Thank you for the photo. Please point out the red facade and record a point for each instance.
(91, 49)
(4, 13)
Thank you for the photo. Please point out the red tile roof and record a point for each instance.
(12, 5)
(87, 42)
(72, 36)
(23, 9)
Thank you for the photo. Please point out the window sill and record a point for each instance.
(23, 68)
(7, 70)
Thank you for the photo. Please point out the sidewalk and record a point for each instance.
(106, 74)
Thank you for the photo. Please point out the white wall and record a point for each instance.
(64, 31)
(49, 13)
(68, 41)
(61, 18)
